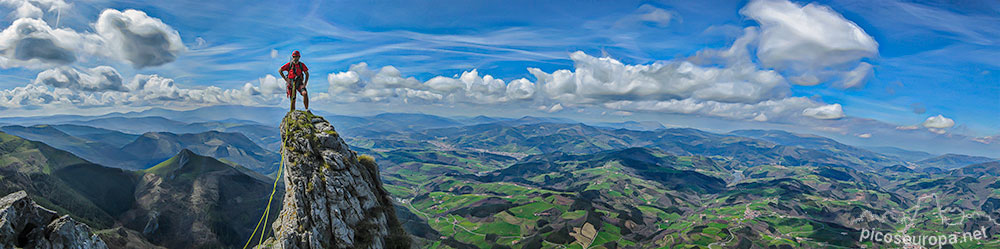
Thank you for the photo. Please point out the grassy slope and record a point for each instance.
(60, 181)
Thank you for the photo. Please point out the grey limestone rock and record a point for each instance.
(333, 197)
(24, 224)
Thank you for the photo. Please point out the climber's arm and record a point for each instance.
(282, 70)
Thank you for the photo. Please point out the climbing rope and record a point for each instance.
(268, 209)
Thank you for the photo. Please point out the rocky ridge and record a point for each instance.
(24, 224)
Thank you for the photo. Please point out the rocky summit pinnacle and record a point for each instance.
(333, 197)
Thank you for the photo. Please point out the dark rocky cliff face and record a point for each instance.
(333, 197)
(24, 224)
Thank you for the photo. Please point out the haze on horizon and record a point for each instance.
(913, 75)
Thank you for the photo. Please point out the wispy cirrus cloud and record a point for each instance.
(971, 24)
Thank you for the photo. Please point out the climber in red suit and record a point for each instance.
(296, 80)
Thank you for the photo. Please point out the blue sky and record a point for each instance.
(840, 68)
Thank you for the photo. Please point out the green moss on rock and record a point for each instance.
(367, 160)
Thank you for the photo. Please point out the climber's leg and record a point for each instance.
(290, 92)
(305, 97)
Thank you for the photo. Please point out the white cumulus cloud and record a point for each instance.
(834, 111)
(606, 79)
(938, 122)
(131, 36)
(779, 109)
(812, 43)
(102, 86)
(34, 8)
(138, 38)
(270, 84)
(733, 87)
(362, 84)
(33, 43)
(153, 89)
(521, 89)
(101, 78)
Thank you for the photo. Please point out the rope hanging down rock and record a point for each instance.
(267, 210)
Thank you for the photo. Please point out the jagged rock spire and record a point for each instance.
(333, 197)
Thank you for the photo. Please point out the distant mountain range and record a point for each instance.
(232, 118)
(952, 161)
(846, 153)
(109, 137)
(103, 139)
(488, 182)
(105, 146)
(99, 149)
(908, 155)
(540, 138)
(154, 147)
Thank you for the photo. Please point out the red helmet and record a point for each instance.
(295, 53)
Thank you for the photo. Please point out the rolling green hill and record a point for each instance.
(668, 188)
(189, 194)
(60, 181)
(24, 156)
(187, 201)
(645, 198)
